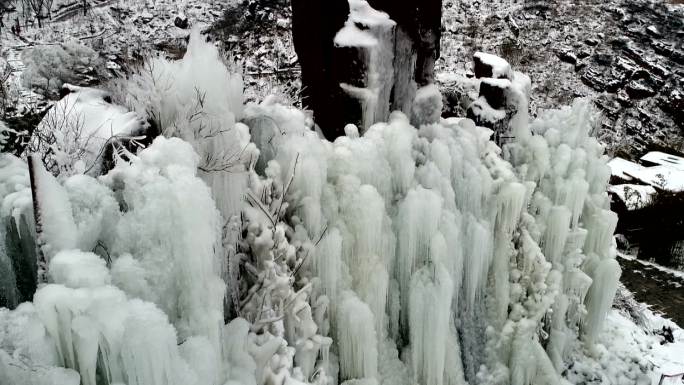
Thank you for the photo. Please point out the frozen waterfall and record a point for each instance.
(405, 255)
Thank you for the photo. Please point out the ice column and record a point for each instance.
(356, 339)
(430, 310)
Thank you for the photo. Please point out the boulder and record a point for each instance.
(181, 22)
(494, 91)
(491, 66)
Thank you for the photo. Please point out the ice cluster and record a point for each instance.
(241, 248)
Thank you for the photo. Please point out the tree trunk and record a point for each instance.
(34, 163)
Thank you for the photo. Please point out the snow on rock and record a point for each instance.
(663, 177)
(634, 196)
(361, 14)
(661, 158)
(368, 38)
(629, 354)
(623, 168)
(491, 66)
(352, 36)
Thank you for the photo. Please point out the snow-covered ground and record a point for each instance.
(623, 341)
(676, 273)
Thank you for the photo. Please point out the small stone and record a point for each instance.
(638, 90)
(591, 42)
(567, 56)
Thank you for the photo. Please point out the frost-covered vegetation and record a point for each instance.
(48, 67)
(241, 248)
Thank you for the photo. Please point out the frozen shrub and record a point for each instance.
(48, 67)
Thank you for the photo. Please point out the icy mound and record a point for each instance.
(73, 132)
(436, 226)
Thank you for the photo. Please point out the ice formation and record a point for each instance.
(408, 254)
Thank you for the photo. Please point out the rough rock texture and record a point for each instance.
(627, 55)
(314, 25)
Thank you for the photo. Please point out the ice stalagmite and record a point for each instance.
(188, 287)
(430, 309)
(600, 297)
(509, 204)
(356, 339)
(418, 221)
(328, 265)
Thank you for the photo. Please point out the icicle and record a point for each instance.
(328, 266)
(477, 258)
(356, 338)
(509, 204)
(453, 364)
(374, 290)
(559, 335)
(556, 233)
(453, 258)
(418, 221)
(600, 297)
(429, 320)
(600, 226)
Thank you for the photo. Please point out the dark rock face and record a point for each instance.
(181, 22)
(314, 25)
(415, 39)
